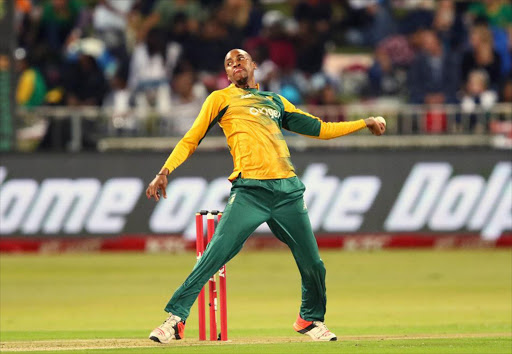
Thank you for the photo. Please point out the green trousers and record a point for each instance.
(279, 203)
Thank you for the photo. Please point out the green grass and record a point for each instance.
(439, 294)
(495, 346)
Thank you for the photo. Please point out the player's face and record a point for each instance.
(239, 67)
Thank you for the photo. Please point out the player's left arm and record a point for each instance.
(303, 123)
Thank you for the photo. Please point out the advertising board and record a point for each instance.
(348, 192)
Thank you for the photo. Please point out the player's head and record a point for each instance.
(240, 68)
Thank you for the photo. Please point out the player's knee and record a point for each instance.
(315, 268)
(319, 266)
(223, 249)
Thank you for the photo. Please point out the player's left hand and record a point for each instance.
(376, 127)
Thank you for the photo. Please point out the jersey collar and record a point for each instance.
(257, 87)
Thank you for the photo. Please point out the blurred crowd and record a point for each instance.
(165, 56)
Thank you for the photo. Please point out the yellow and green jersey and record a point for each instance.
(31, 88)
(252, 122)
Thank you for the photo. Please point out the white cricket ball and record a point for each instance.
(380, 120)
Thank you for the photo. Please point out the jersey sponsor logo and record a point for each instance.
(246, 96)
(269, 112)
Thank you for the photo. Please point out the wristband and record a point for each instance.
(162, 174)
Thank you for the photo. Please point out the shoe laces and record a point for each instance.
(322, 328)
(171, 321)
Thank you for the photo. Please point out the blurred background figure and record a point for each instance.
(277, 40)
(241, 17)
(124, 120)
(506, 91)
(449, 25)
(385, 77)
(84, 85)
(188, 96)
(370, 21)
(498, 13)
(31, 88)
(314, 28)
(110, 20)
(163, 13)
(478, 98)
(433, 75)
(433, 80)
(267, 74)
(213, 39)
(481, 55)
(149, 69)
(61, 22)
(496, 16)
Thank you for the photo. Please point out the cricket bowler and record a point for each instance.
(264, 188)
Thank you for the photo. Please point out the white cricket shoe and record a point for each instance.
(317, 330)
(173, 328)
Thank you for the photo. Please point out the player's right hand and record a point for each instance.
(376, 127)
(159, 183)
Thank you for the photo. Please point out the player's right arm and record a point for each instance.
(210, 113)
(303, 123)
